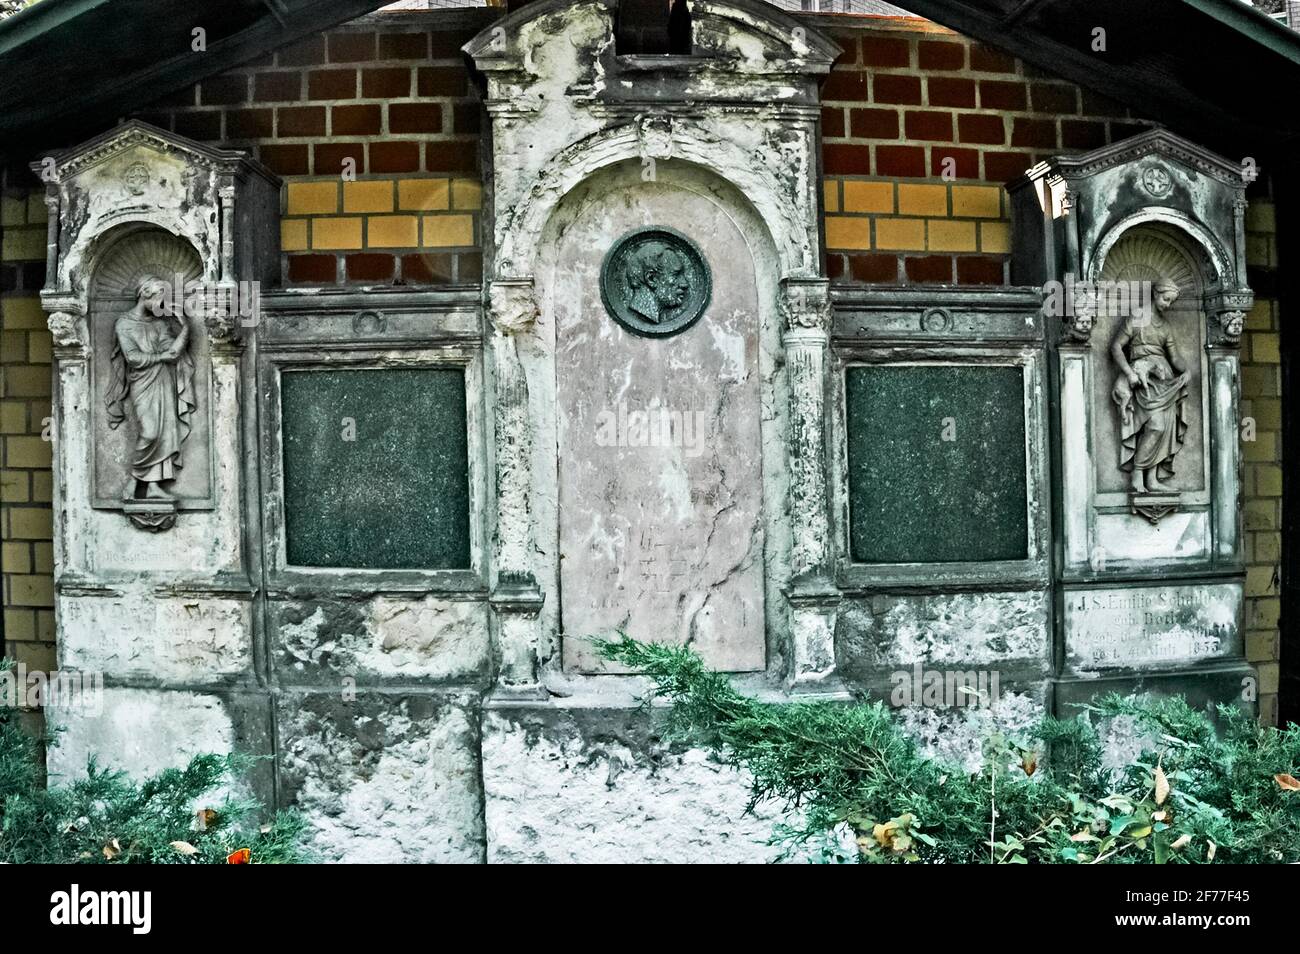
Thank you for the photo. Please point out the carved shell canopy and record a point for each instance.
(151, 252)
(1144, 255)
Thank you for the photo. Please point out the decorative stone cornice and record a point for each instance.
(806, 304)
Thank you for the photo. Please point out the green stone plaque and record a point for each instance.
(376, 468)
(655, 282)
(936, 463)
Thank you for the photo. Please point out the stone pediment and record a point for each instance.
(1157, 143)
(734, 41)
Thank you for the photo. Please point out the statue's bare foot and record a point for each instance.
(1138, 486)
(1156, 487)
(154, 492)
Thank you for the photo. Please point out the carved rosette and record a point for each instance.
(516, 598)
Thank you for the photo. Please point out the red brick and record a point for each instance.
(987, 130)
(446, 44)
(928, 126)
(403, 46)
(327, 157)
(900, 161)
(1034, 133)
(845, 159)
(224, 90)
(430, 268)
(351, 47)
(313, 269)
(394, 157)
(966, 165)
(250, 123)
(393, 81)
(950, 91)
(886, 51)
(849, 43)
(285, 160)
(414, 118)
(458, 156)
(1094, 104)
(332, 84)
(203, 126)
(308, 52)
(369, 267)
(467, 118)
(894, 88)
(277, 87)
(979, 270)
(1055, 98)
(469, 267)
(1079, 134)
(941, 55)
(845, 84)
(364, 120)
(985, 59)
(834, 266)
(833, 122)
(442, 81)
(928, 269)
(1005, 166)
(1003, 95)
(301, 121)
(873, 124)
(874, 268)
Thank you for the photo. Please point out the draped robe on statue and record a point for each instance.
(1153, 419)
(160, 393)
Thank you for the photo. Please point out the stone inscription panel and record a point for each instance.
(660, 473)
(1151, 626)
(936, 463)
(376, 468)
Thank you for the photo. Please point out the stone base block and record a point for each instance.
(383, 778)
(564, 785)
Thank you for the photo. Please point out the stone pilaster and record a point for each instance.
(516, 597)
(812, 594)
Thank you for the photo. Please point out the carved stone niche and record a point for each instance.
(157, 249)
(1140, 250)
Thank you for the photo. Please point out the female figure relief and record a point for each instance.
(1151, 394)
(153, 373)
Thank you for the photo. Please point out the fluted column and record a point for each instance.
(516, 597)
(812, 593)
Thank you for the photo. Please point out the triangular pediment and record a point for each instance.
(1159, 143)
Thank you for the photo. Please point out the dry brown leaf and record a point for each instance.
(1162, 786)
(1287, 783)
(185, 848)
(1181, 842)
(112, 849)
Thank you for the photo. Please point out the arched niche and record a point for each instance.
(124, 258)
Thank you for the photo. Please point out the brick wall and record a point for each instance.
(26, 551)
(375, 129)
(922, 128)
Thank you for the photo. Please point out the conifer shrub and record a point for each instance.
(856, 788)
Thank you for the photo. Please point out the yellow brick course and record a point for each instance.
(845, 232)
(369, 196)
(336, 233)
(947, 235)
(995, 237)
(392, 231)
(976, 201)
(902, 234)
(917, 199)
(293, 235)
(868, 196)
(313, 198)
(443, 231)
(30, 452)
(22, 311)
(831, 195)
(466, 194)
(423, 195)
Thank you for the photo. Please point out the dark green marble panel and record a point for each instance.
(916, 497)
(396, 496)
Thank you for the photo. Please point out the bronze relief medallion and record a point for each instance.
(655, 282)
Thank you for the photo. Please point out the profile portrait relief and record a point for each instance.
(655, 282)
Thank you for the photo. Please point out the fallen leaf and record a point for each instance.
(1209, 852)
(1029, 762)
(112, 849)
(1162, 786)
(1287, 783)
(184, 848)
(1180, 842)
(204, 819)
(241, 857)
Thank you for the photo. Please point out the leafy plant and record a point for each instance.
(108, 818)
(858, 789)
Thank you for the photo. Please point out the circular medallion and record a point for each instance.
(1157, 181)
(655, 282)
